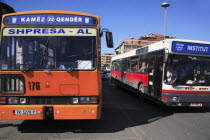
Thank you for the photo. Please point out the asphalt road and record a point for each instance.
(123, 118)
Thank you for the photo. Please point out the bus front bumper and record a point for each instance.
(60, 112)
(191, 100)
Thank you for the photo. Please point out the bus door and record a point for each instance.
(151, 66)
(158, 74)
(155, 70)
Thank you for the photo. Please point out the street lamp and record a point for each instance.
(165, 4)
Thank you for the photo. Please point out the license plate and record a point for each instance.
(25, 112)
(195, 105)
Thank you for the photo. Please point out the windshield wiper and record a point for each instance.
(41, 57)
(73, 67)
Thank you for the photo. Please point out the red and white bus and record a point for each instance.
(175, 72)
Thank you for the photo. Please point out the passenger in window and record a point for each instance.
(48, 65)
(171, 77)
(52, 65)
(143, 67)
(135, 67)
(62, 67)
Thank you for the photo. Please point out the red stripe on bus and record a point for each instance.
(116, 74)
(137, 77)
(182, 91)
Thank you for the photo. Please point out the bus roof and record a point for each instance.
(168, 44)
(49, 11)
(127, 54)
(51, 17)
(173, 46)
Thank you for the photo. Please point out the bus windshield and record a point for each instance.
(187, 70)
(48, 52)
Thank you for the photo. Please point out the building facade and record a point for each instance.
(130, 44)
(127, 45)
(106, 60)
(152, 38)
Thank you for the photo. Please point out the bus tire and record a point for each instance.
(141, 88)
(141, 92)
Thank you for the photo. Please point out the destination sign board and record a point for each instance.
(50, 19)
(186, 47)
(49, 32)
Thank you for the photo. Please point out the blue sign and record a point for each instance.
(195, 48)
(50, 19)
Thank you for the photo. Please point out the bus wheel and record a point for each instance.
(141, 88)
(140, 94)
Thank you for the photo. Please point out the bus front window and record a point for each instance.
(48, 52)
(187, 70)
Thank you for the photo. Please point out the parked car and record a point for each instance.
(106, 74)
(106, 69)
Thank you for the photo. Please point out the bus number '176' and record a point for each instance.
(34, 85)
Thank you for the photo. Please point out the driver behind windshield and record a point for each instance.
(187, 70)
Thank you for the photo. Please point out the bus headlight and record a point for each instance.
(175, 98)
(23, 100)
(84, 100)
(13, 100)
(75, 100)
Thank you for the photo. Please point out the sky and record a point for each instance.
(186, 19)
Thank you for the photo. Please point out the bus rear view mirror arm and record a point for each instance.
(166, 55)
(109, 37)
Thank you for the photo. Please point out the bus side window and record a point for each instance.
(134, 64)
(118, 65)
(113, 65)
(151, 62)
(143, 66)
(126, 64)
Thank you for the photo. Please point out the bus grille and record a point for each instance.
(49, 100)
(12, 84)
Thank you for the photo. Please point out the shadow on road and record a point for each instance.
(113, 120)
(7, 125)
(120, 111)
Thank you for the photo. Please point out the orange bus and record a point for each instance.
(50, 65)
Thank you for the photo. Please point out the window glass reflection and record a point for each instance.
(48, 52)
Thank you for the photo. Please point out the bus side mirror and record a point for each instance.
(109, 39)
